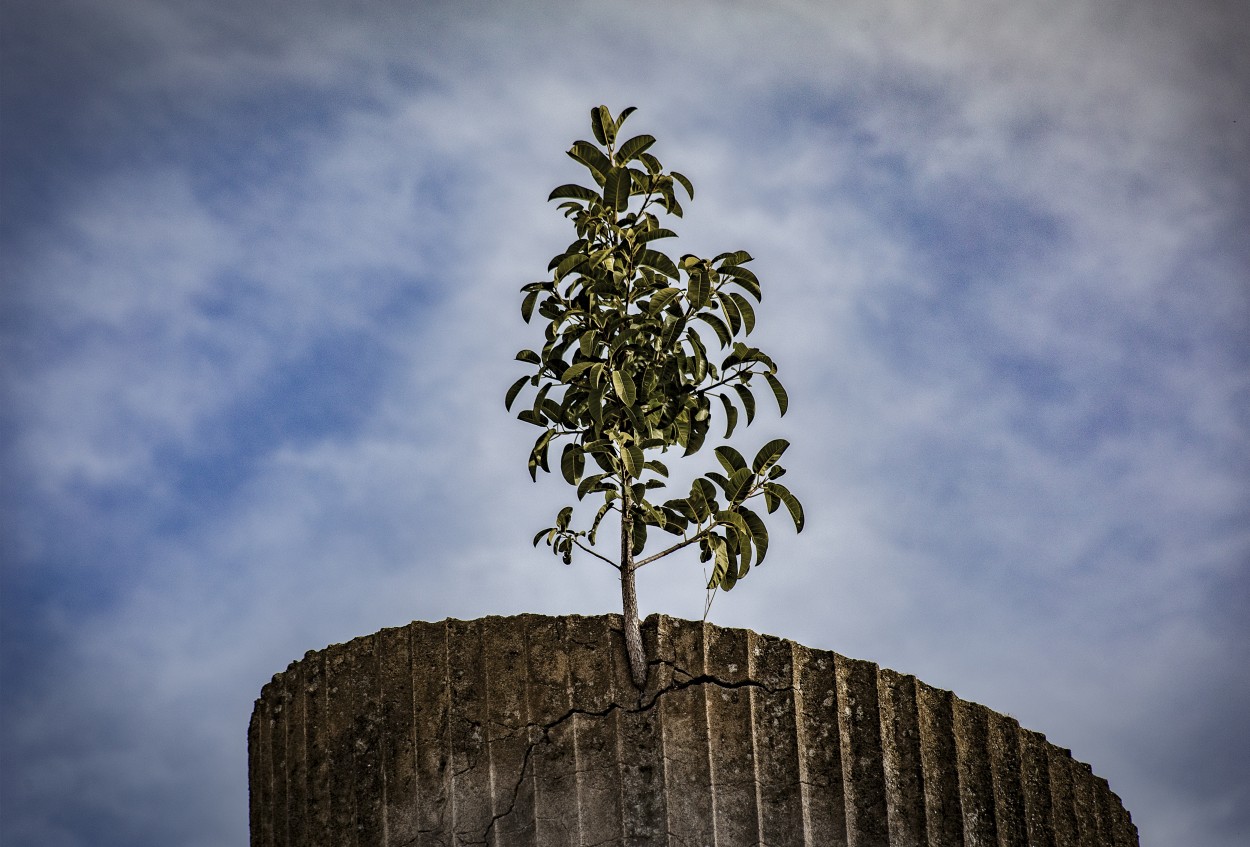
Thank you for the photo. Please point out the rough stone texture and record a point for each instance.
(528, 731)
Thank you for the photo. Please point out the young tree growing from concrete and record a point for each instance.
(626, 371)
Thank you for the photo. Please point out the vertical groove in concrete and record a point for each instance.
(780, 769)
(798, 705)
(318, 781)
(342, 793)
(1063, 805)
(642, 740)
(370, 741)
(297, 777)
(552, 764)
(431, 802)
(391, 651)
(691, 813)
(507, 726)
(470, 753)
(528, 731)
(277, 726)
(592, 691)
(822, 747)
(699, 668)
(863, 765)
(904, 776)
(1005, 771)
(1083, 801)
(944, 823)
(976, 787)
(727, 657)
(1035, 782)
(488, 826)
(758, 779)
(1102, 814)
(581, 756)
(259, 797)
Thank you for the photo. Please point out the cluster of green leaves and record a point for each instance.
(624, 371)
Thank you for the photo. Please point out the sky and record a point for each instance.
(259, 302)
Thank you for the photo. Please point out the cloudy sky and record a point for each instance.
(260, 267)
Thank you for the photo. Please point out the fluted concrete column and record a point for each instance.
(528, 731)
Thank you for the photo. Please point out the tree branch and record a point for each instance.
(596, 554)
(680, 544)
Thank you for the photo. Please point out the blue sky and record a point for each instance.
(260, 266)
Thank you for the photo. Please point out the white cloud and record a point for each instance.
(1045, 542)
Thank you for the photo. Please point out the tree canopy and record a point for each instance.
(640, 354)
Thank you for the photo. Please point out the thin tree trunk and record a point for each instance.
(629, 596)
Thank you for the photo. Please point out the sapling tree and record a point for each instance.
(627, 372)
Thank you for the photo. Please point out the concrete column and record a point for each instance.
(528, 731)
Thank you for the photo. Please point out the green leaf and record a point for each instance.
(730, 310)
(739, 485)
(723, 572)
(745, 309)
(738, 524)
(792, 503)
(588, 483)
(748, 400)
(623, 384)
(562, 519)
(683, 507)
(570, 263)
(538, 456)
(633, 148)
(702, 498)
(595, 403)
(661, 299)
(722, 331)
(600, 123)
(657, 466)
(616, 189)
(620, 119)
(718, 478)
(731, 414)
(685, 183)
(587, 343)
(769, 454)
(527, 305)
(653, 234)
(573, 371)
(759, 532)
(737, 257)
(783, 399)
(572, 463)
(633, 458)
(698, 434)
(576, 192)
(747, 280)
(699, 289)
(730, 458)
(592, 157)
(594, 527)
(656, 259)
(640, 535)
(510, 397)
(675, 520)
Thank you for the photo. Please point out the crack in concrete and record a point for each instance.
(690, 681)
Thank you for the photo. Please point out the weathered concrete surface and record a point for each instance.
(528, 731)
